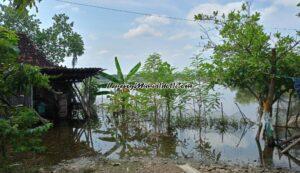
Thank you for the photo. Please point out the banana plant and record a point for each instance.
(122, 95)
(120, 79)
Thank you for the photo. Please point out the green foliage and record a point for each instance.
(21, 5)
(244, 56)
(157, 71)
(21, 130)
(8, 46)
(90, 90)
(243, 96)
(202, 95)
(120, 77)
(20, 127)
(121, 99)
(56, 42)
(119, 71)
(132, 72)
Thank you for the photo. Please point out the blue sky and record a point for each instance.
(132, 37)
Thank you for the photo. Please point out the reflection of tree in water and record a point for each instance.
(131, 139)
(266, 153)
(205, 149)
(125, 135)
(64, 142)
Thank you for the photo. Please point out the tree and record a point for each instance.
(56, 42)
(246, 58)
(21, 5)
(157, 71)
(203, 98)
(19, 125)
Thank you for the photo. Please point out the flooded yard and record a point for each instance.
(210, 140)
(201, 145)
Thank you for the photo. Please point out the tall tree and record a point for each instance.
(157, 71)
(245, 58)
(18, 124)
(21, 5)
(56, 42)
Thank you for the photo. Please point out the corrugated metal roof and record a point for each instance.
(70, 74)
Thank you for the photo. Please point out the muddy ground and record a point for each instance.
(151, 165)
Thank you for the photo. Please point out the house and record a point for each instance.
(64, 96)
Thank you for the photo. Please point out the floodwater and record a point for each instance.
(66, 141)
(139, 139)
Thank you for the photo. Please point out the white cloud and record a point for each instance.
(153, 20)
(184, 34)
(102, 52)
(66, 7)
(289, 3)
(188, 47)
(209, 8)
(92, 36)
(179, 36)
(266, 12)
(143, 29)
(147, 25)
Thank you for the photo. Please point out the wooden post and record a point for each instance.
(268, 102)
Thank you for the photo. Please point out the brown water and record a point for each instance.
(234, 146)
(140, 139)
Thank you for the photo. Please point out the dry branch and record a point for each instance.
(290, 146)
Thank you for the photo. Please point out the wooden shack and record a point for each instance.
(60, 101)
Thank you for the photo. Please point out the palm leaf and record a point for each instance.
(120, 74)
(109, 77)
(133, 71)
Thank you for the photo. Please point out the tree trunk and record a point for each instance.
(155, 114)
(3, 150)
(268, 102)
(168, 116)
(260, 115)
(288, 109)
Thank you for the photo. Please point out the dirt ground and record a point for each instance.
(148, 165)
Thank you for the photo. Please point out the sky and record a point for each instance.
(132, 38)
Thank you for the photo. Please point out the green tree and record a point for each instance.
(245, 58)
(157, 71)
(56, 42)
(21, 5)
(204, 99)
(19, 125)
(150, 97)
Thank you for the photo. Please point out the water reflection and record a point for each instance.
(139, 139)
